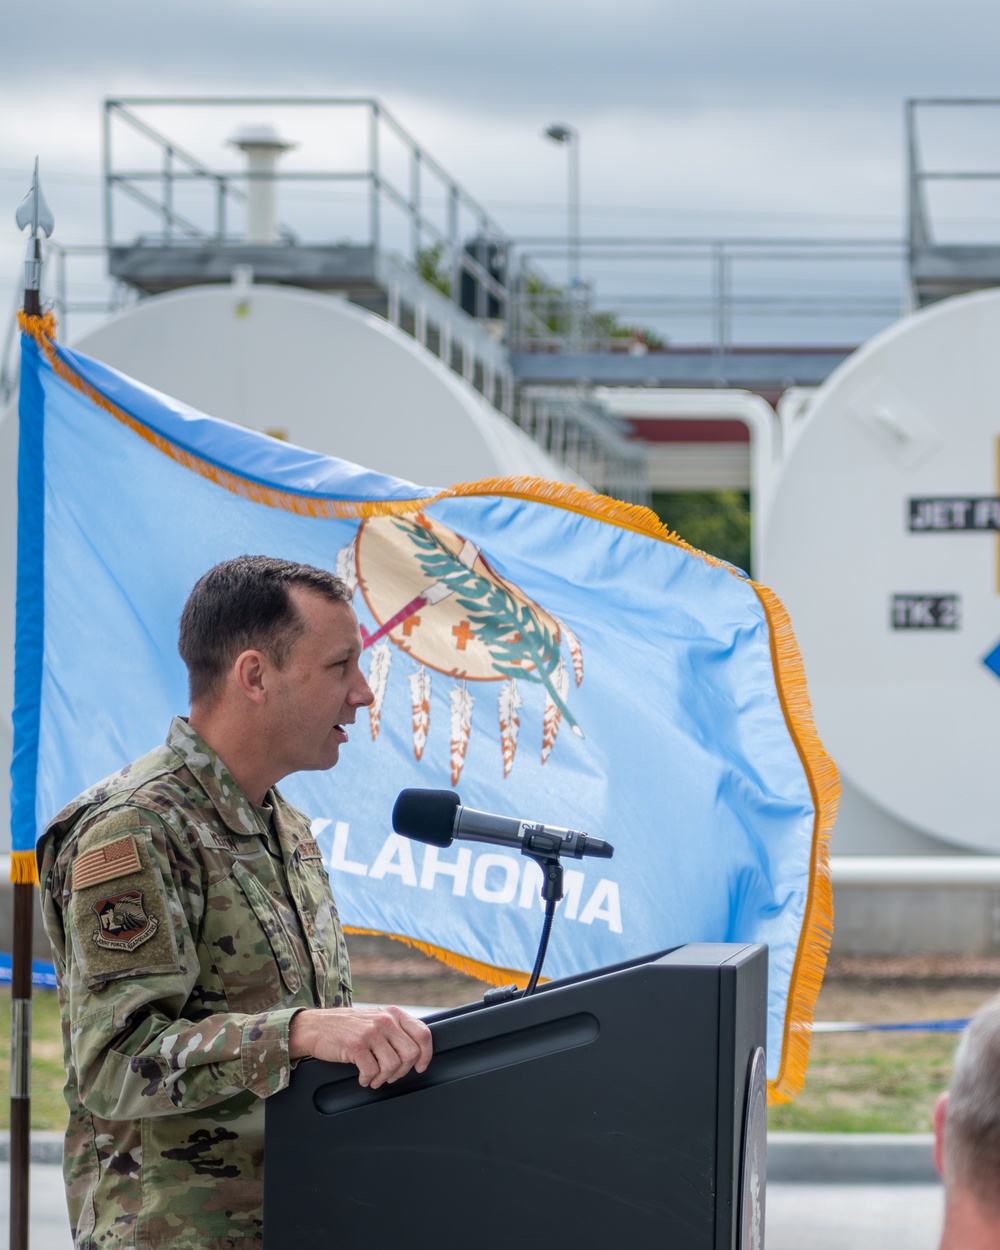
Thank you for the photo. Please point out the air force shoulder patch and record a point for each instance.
(124, 924)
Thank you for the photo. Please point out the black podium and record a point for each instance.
(623, 1109)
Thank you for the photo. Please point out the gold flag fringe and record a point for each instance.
(461, 963)
(23, 868)
(824, 783)
(39, 328)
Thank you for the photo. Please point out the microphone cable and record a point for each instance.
(543, 944)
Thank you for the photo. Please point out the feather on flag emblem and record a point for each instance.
(435, 596)
(461, 726)
(378, 679)
(510, 723)
(420, 693)
(550, 723)
(347, 569)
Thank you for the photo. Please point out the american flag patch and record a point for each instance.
(103, 863)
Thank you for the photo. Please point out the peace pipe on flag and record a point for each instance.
(498, 613)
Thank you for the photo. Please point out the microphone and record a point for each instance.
(438, 817)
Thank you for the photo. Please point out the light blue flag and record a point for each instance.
(550, 654)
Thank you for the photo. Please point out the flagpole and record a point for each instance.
(20, 1065)
(33, 212)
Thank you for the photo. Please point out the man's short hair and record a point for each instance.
(972, 1120)
(241, 605)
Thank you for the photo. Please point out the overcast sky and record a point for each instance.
(716, 117)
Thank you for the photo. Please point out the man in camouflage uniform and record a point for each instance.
(196, 942)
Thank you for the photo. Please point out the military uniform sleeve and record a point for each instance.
(145, 1039)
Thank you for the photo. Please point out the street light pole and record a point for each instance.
(569, 136)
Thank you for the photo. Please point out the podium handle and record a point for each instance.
(473, 1059)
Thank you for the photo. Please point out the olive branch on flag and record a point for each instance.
(519, 644)
(512, 634)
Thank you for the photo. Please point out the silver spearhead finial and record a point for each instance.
(33, 211)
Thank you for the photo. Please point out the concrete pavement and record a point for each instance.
(853, 1217)
(48, 1222)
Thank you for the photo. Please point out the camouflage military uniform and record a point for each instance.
(187, 929)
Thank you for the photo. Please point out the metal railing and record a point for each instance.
(953, 208)
(920, 177)
(647, 294)
(708, 291)
(412, 305)
(410, 206)
(581, 433)
(449, 275)
(57, 281)
(381, 190)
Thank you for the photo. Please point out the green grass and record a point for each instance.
(870, 1083)
(48, 1109)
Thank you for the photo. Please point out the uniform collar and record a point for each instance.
(233, 806)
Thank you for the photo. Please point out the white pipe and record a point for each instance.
(262, 148)
(262, 195)
(922, 872)
(904, 872)
(713, 405)
(901, 872)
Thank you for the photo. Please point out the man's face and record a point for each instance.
(317, 693)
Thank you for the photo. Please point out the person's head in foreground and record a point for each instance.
(967, 1137)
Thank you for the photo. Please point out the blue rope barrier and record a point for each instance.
(43, 975)
(920, 1026)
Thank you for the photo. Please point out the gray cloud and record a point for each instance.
(528, 56)
(779, 107)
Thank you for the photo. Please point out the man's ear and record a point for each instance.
(940, 1115)
(250, 672)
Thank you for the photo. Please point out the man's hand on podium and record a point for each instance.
(383, 1043)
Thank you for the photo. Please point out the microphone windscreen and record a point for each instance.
(427, 815)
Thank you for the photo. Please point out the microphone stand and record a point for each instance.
(543, 849)
(552, 892)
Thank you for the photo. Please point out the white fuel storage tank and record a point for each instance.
(882, 536)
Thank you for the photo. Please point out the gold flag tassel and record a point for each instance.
(23, 868)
